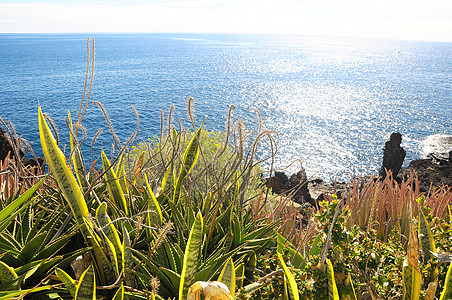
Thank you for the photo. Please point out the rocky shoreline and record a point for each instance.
(433, 171)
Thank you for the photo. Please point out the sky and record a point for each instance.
(429, 20)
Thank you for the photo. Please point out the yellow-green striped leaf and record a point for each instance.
(227, 276)
(189, 160)
(86, 287)
(66, 180)
(153, 205)
(449, 215)
(333, 294)
(447, 291)
(289, 279)
(412, 280)
(128, 259)
(77, 158)
(192, 252)
(113, 185)
(427, 241)
(7, 274)
(111, 235)
(240, 274)
(69, 283)
(102, 263)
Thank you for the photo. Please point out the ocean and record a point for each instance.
(333, 102)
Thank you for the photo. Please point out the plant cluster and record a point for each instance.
(186, 216)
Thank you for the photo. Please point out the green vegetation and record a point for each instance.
(186, 216)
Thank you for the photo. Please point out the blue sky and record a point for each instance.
(396, 19)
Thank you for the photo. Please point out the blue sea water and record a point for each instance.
(332, 101)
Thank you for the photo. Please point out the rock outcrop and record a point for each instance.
(431, 171)
(5, 146)
(393, 155)
(296, 185)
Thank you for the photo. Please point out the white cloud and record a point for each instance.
(406, 19)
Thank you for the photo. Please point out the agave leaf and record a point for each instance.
(30, 249)
(227, 276)
(111, 235)
(447, 291)
(86, 287)
(412, 280)
(8, 295)
(66, 180)
(7, 274)
(69, 283)
(77, 157)
(173, 257)
(113, 185)
(191, 256)
(252, 287)
(240, 274)
(189, 160)
(7, 214)
(128, 259)
(291, 285)
(173, 276)
(153, 205)
(164, 280)
(54, 246)
(333, 293)
(8, 244)
(294, 255)
(427, 241)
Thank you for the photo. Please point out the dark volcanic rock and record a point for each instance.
(430, 171)
(297, 186)
(5, 146)
(393, 155)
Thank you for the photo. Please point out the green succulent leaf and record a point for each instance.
(7, 274)
(412, 280)
(227, 276)
(291, 284)
(333, 293)
(113, 185)
(86, 287)
(7, 214)
(447, 291)
(66, 180)
(191, 257)
(188, 162)
(69, 283)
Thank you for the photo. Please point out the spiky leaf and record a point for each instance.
(86, 288)
(69, 283)
(333, 293)
(191, 256)
(291, 285)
